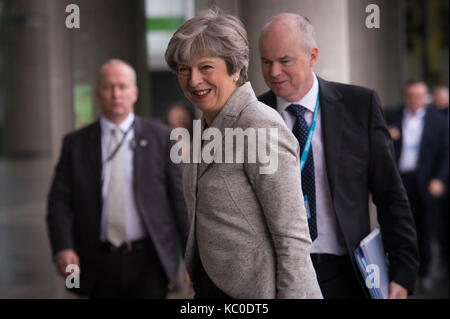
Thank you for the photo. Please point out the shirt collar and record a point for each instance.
(419, 113)
(107, 126)
(308, 101)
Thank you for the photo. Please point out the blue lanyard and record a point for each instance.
(307, 148)
(310, 136)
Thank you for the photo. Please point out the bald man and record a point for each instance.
(351, 155)
(115, 207)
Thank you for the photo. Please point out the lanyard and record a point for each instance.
(111, 156)
(307, 148)
(310, 136)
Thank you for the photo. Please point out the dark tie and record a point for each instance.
(301, 131)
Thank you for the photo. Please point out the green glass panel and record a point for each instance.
(83, 105)
(164, 23)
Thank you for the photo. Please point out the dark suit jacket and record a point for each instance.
(359, 159)
(433, 153)
(75, 200)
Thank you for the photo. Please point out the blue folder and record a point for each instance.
(371, 260)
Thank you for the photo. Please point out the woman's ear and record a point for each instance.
(236, 75)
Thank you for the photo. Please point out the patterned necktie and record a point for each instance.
(301, 131)
(115, 199)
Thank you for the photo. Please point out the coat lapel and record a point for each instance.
(190, 175)
(199, 168)
(332, 120)
(427, 134)
(228, 116)
(142, 159)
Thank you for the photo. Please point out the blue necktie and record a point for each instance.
(301, 131)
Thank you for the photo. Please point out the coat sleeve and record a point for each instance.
(393, 211)
(60, 213)
(280, 196)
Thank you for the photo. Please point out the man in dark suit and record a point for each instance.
(420, 137)
(351, 155)
(115, 207)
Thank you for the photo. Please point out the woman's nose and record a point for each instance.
(195, 78)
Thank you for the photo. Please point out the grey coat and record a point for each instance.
(250, 229)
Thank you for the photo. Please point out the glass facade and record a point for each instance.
(163, 17)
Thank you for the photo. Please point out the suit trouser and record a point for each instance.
(130, 274)
(423, 217)
(337, 277)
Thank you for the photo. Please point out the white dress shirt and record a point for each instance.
(134, 226)
(412, 129)
(329, 238)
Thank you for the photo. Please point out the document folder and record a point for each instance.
(371, 260)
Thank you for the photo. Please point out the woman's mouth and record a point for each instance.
(201, 93)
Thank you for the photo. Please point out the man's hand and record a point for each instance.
(188, 282)
(396, 291)
(64, 258)
(395, 132)
(436, 187)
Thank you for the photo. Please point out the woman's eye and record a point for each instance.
(183, 70)
(206, 67)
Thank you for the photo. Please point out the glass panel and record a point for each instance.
(163, 18)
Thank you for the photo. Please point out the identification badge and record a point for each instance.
(307, 206)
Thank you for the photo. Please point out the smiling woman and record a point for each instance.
(210, 59)
(246, 240)
(206, 83)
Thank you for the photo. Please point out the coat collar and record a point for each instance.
(332, 119)
(228, 116)
(234, 106)
(332, 112)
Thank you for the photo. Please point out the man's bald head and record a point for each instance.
(291, 22)
(116, 63)
(288, 54)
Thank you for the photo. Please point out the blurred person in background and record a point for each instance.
(440, 99)
(115, 206)
(420, 137)
(180, 114)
